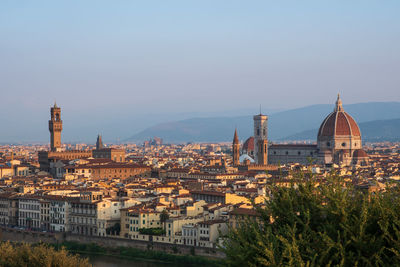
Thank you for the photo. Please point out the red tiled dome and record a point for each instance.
(339, 123)
(249, 144)
(360, 153)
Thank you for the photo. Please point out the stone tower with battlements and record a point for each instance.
(260, 139)
(55, 128)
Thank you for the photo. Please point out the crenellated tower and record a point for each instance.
(236, 149)
(55, 128)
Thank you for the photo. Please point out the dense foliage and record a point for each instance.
(152, 231)
(320, 224)
(24, 255)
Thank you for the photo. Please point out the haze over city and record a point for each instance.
(131, 65)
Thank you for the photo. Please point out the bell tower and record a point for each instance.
(261, 139)
(55, 128)
(99, 142)
(236, 149)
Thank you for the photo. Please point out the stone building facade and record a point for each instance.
(260, 139)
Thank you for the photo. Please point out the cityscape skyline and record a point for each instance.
(199, 133)
(118, 129)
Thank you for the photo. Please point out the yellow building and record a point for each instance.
(137, 217)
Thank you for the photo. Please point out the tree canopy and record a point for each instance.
(320, 223)
(25, 255)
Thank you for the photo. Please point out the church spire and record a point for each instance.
(235, 137)
(236, 149)
(338, 106)
(99, 143)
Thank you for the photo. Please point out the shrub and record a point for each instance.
(152, 231)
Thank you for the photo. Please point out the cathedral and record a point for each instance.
(339, 141)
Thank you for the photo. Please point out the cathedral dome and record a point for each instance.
(339, 123)
(360, 153)
(249, 144)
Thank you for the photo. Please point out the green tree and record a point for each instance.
(164, 216)
(311, 223)
(25, 255)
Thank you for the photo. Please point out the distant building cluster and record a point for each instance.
(156, 141)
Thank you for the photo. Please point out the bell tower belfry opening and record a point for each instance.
(55, 128)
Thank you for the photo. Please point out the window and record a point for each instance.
(343, 144)
(328, 143)
(287, 153)
(258, 131)
(299, 153)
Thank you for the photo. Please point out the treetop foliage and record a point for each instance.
(320, 224)
(25, 255)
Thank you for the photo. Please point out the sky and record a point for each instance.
(139, 61)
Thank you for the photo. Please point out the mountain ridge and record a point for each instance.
(281, 124)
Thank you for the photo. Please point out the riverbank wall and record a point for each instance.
(19, 235)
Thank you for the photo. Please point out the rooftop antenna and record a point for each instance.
(260, 109)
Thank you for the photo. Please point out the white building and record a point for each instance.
(29, 212)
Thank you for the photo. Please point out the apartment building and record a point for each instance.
(29, 211)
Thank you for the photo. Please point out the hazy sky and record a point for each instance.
(134, 57)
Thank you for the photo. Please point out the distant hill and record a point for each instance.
(379, 130)
(281, 125)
